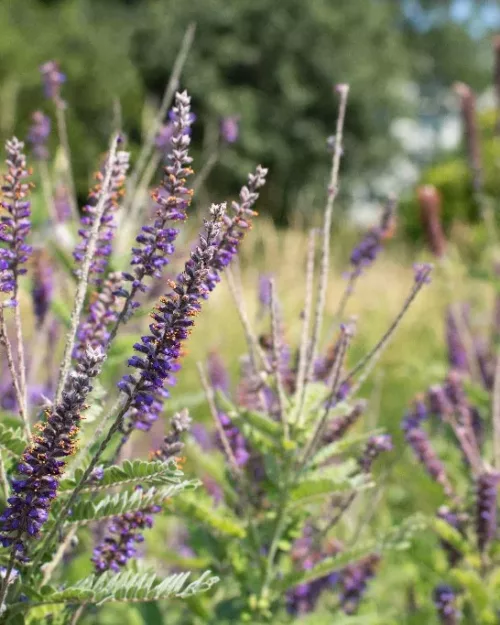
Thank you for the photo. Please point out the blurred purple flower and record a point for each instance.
(38, 134)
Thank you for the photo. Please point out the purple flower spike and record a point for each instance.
(337, 428)
(158, 353)
(354, 580)
(365, 253)
(237, 225)
(125, 531)
(124, 534)
(422, 272)
(486, 508)
(15, 226)
(217, 373)
(52, 78)
(62, 205)
(43, 462)
(107, 226)
(103, 313)
(43, 286)
(38, 135)
(421, 446)
(229, 128)
(374, 447)
(155, 243)
(445, 600)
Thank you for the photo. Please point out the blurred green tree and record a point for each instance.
(272, 63)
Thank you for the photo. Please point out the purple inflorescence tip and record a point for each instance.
(38, 135)
(366, 252)
(155, 243)
(236, 226)
(52, 78)
(15, 225)
(107, 226)
(42, 287)
(229, 128)
(374, 447)
(445, 601)
(486, 508)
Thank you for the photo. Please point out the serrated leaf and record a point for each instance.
(153, 473)
(95, 507)
(130, 587)
(203, 514)
(12, 440)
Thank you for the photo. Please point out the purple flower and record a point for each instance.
(236, 226)
(15, 226)
(158, 353)
(421, 446)
(374, 447)
(445, 600)
(265, 291)
(42, 286)
(163, 137)
(217, 373)
(62, 206)
(156, 242)
(422, 273)
(415, 417)
(337, 428)
(353, 582)
(486, 508)
(457, 354)
(124, 533)
(107, 226)
(365, 253)
(229, 128)
(236, 440)
(52, 78)
(454, 520)
(38, 134)
(43, 462)
(104, 308)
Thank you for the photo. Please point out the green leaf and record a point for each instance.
(196, 511)
(12, 440)
(153, 473)
(130, 587)
(326, 566)
(451, 535)
(327, 481)
(95, 507)
(257, 420)
(334, 449)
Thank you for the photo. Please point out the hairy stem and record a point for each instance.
(81, 289)
(64, 141)
(327, 224)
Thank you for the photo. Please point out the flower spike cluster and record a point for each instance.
(125, 532)
(172, 322)
(43, 462)
(15, 225)
(52, 78)
(155, 242)
(107, 226)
